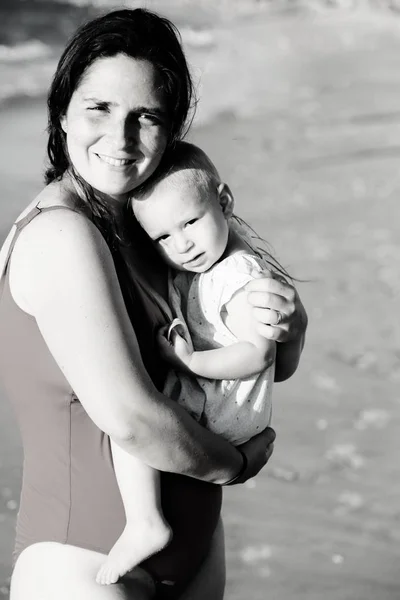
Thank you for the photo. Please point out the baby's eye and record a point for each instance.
(162, 238)
(192, 221)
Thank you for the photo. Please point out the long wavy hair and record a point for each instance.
(140, 34)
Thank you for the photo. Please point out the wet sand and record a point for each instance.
(307, 133)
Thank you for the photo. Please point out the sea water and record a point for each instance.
(34, 32)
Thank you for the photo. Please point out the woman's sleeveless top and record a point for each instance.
(69, 491)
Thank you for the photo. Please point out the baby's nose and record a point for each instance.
(182, 243)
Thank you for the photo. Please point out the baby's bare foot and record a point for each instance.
(137, 542)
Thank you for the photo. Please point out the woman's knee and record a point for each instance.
(33, 558)
(49, 570)
(28, 578)
(49, 559)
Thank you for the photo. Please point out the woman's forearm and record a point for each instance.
(166, 437)
(289, 352)
(288, 357)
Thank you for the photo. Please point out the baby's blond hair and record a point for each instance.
(183, 159)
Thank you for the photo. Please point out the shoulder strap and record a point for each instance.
(21, 223)
(18, 226)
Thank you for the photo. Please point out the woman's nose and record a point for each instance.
(124, 131)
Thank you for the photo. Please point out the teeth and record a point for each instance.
(115, 162)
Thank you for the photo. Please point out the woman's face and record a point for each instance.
(116, 124)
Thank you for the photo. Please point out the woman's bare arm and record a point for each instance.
(63, 274)
(270, 295)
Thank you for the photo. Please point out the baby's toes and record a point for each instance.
(102, 576)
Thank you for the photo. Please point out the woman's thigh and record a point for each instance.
(53, 571)
(210, 580)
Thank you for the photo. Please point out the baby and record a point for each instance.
(223, 370)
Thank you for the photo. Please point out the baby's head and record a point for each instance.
(185, 211)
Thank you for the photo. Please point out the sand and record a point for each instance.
(306, 131)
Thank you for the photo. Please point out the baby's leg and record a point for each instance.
(146, 531)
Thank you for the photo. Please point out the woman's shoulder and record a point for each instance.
(54, 225)
(52, 244)
(51, 196)
(55, 206)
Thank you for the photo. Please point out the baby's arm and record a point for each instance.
(252, 353)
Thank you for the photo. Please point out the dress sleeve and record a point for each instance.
(226, 278)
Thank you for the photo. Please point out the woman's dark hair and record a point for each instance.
(137, 33)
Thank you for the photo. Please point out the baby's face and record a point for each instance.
(186, 223)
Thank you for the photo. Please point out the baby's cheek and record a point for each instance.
(168, 257)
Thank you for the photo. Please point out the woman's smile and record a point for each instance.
(116, 115)
(116, 162)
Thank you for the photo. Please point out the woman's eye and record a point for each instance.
(149, 119)
(162, 238)
(98, 108)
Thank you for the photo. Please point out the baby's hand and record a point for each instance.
(173, 347)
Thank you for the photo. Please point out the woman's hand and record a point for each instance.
(278, 309)
(280, 316)
(257, 452)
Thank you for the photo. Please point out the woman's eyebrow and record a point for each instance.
(98, 101)
(154, 110)
(151, 110)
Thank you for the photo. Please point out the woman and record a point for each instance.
(78, 314)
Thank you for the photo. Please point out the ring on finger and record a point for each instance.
(279, 318)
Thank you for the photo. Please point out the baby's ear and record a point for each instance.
(226, 199)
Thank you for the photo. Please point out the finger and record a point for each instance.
(162, 342)
(270, 435)
(272, 286)
(164, 345)
(162, 331)
(269, 300)
(269, 316)
(269, 452)
(275, 334)
(178, 341)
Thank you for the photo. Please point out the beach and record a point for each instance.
(299, 109)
